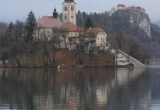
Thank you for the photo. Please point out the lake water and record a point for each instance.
(80, 89)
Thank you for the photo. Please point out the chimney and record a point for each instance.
(55, 14)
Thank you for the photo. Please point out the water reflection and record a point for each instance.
(75, 89)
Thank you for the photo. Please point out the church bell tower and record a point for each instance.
(69, 11)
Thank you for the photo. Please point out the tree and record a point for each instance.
(133, 46)
(10, 30)
(120, 39)
(55, 43)
(16, 43)
(3, 43)
(30, 26)
(3, 28)
(88, 23)
(3, 49)
(144, 56)
(32, 50)
(80, 46)
(19, 31)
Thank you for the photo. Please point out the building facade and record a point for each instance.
(45, 26)
(97, 34)
(121, 7)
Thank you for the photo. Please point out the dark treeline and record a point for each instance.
(17, 45)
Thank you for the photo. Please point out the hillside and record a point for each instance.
(131, 23)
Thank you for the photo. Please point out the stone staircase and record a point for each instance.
(132, 60)
(122, 59)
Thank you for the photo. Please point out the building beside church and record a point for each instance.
(70, 33)
(98, 35)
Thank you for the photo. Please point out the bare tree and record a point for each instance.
(32, 50)
(16, 45)
(3, 43)
(55, 43)
(133, 46)
(79, 43)
(120, 39)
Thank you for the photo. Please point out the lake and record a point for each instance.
(80, 89)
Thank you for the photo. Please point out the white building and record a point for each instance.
(121, 7)
(97, 34)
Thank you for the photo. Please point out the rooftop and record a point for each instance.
(49, 22)
(70, 26)
(93, 31)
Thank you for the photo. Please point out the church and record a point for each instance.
(69, 33)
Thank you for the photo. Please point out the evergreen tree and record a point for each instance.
(30, 26)
(10, 30)
(88, 23)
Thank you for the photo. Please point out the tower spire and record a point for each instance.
(55, 13)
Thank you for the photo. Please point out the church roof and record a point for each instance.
(68, 26)
(49, 22)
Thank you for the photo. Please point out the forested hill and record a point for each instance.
(131, 24)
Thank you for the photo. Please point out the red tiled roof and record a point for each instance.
(93, 31)
(136, 7)
(68, 26)
(49, 22)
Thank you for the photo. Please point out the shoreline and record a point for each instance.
(69, 66)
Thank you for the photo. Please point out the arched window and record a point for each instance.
(72, 8)
(65, 8)
(72, 17)
(65, 17)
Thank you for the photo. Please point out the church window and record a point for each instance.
(65, 8)
(72, 8)
(65, 17)
(72, 17)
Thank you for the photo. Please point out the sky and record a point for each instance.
(12, 10)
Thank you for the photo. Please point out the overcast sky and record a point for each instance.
(12, 10)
